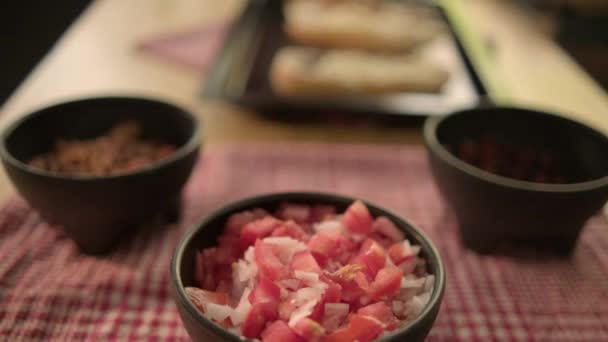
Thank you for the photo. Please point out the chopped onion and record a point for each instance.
(398, 307)
(242, 309)
(424, 298)
(292, 284)
(329, 226)
(333, 315)
(250, 255)
(414, 306)
(302, 312)
(308, 277)
(286, 247)
(217, 312)
(429, 282)
(336, 309)
(412, 283)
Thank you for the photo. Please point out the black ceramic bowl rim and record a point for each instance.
(432, 142)
(427, 246)
(183, 150)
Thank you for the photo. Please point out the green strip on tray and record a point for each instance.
(475, 49)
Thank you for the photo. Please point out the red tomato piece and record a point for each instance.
(360, 328)
(357, 218)
(349, 278)
(387, 228)
(254, 321)
(332, 294)
(296, 212)
(236, 221)
(400, 252)
(324, 243)
(230, 243)
(268, 263)
(304, 261)
(279, 331)
(373, 256)
(321, 259)
(291, 229)
(322, 212)
(225, 255)
(268, 294)
(386, 283)
(286, 308)
(258, 229)
(382, 240)
(381, 312)
(308, 329)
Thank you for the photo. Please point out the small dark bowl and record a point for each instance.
(96, 211)
(490, 208)
(205, 233)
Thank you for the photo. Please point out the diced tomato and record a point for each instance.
(258, 229)
(279, 331)
(400, 252)
(349, 278)
(308, 329)
(357, 218)
(322, 212)
(325, 243)
(268, 263)
(226, 255)
(386, 283)
(231, 244)
(362, 281)
(201, 297)
(346, 249)
(381, 312)
(360, 328)
(387, 228)
(321, 259)
(297, 212)
(382, 240)
(254, 321)
(304, 261)
(332, 294)
(291, 229)
(236, 221)
(373, 256)
(286, 308)
(330, 284)
(268, 294)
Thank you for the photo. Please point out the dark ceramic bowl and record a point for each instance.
(490, 208)
(96, 211)
(205, 233)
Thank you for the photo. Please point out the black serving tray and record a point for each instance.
(240, 73)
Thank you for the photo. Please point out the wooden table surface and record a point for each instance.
(98, 55)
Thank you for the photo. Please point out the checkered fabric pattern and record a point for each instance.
(48, 291)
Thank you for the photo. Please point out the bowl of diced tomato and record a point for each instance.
(295, 267)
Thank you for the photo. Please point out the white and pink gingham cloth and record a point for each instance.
(48, 291)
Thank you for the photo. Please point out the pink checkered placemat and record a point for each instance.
(48, 291)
